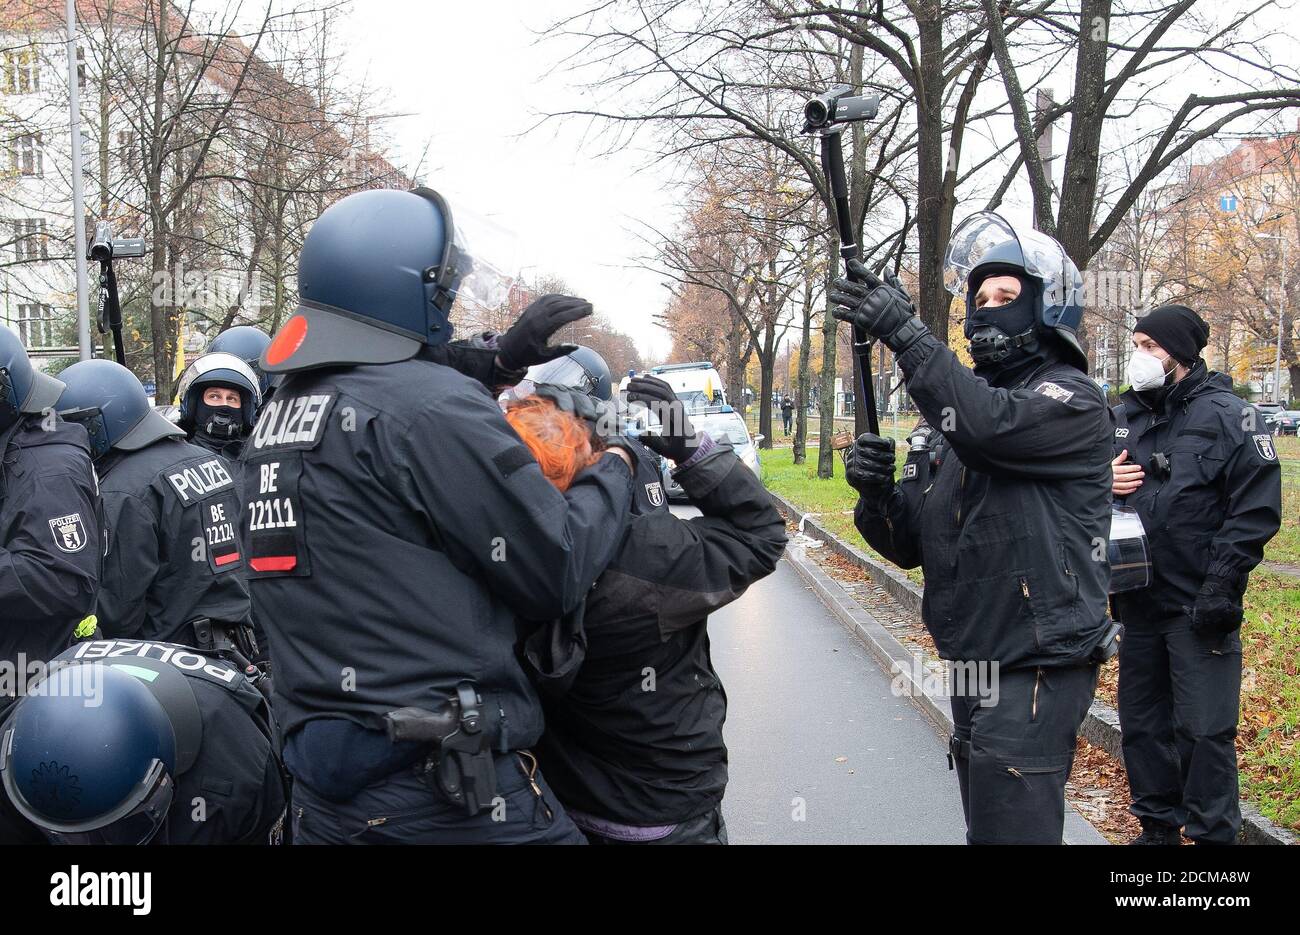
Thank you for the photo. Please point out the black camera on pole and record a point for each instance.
(104, 248)
(826, 115)
(838, 106)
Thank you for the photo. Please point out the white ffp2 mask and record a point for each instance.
(1145, 371)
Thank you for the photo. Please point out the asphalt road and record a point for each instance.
(820, 750)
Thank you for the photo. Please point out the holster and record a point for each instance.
(234, 642)
(460, 762)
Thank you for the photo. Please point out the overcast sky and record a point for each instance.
(471, 77)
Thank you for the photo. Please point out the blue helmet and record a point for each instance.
(110, 402)
(23, 388)
(248, 344)
(986, 244)
(219, 369)
(89, 756)
(377, 276)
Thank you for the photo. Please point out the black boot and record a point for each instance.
(1157, 832)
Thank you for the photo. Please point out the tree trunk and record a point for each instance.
(766, 367)
(830, 338)
(931, 230)
(802, 380)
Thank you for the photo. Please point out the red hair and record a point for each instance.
(560, 441)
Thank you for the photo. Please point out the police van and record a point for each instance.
(697, 384)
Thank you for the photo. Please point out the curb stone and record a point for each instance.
(1100, 728)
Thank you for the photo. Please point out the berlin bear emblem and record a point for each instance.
(655, 492)
(69, 532)
(1264, 444)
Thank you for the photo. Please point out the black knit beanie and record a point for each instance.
(1176, 328)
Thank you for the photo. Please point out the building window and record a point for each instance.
(36, 325)
(26, 155)
(30, 239)
(22, 71)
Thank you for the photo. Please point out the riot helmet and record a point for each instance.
(222, 422)
(378, 275)
(108, 400)
(1050, 299)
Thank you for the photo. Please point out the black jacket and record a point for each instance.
(1222, 500)
(1003, 507)
(172, 511)
(51, 539)
(234, 792)
(638, 737)
(394, 526)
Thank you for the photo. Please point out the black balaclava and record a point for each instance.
(219, 428)
(1006, 343)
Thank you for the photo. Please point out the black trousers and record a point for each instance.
(401, 809)
(1179, 700)
(1014, 755)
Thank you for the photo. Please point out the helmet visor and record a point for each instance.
(564, 371)
(92, 420)
(485, 257)
(983, 233)
(138, 826)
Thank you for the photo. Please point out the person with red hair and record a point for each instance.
(633, 764)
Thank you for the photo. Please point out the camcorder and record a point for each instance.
(838, 105)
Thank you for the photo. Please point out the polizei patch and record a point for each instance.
(1264, 444)
(1052, 391)
(196, 481)
(69, 532)
(655, 493)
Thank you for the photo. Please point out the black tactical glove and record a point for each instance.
(677, 439)
(869, 468)
(525, 343)
(880, 308)
(1218, 607)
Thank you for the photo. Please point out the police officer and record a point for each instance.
(1003, 497)
(191, 758)
(50, 533)
(1198, 465)
(395, 527)
(638, 765)
(219, 402)
(174, 569)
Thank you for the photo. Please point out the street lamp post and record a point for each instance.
(78, 199)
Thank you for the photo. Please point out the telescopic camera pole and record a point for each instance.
(104, 248)
(827, 115)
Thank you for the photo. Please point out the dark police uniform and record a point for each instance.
(233, 792)
(1003, 504)
(51, 539)
(174, 555)
(1179, 690)
(616, 750)
(394, 525)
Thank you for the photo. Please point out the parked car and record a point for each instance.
(1286, 422)
(1269, 410)
(723, 424)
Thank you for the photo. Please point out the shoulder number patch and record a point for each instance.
(1052, 391)
(69, 533)
(1264, 445)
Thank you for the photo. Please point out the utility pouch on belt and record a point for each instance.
(461, 764)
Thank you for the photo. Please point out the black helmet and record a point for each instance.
(377, 276)
(986, 244)
(581, 369)
(219, 369)
(110, 402)
(23, 388)
(89, 756)
(248, 344)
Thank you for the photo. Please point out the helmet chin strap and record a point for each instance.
(989, 346)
